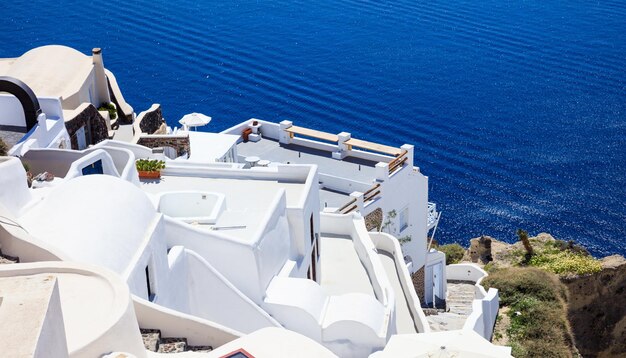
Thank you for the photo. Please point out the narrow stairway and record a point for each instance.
(458, 307)
(153, 341)
(460, 297)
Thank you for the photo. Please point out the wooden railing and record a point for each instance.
(375, 147)
(352, 205)
(371, 193)
(348, 207)
(398, 161)
(307, 132)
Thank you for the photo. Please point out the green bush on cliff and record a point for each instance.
(109, 107)
(537, 310)
(566, 262)
(454, 253)
(564, 259)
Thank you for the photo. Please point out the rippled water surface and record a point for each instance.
(517, 109)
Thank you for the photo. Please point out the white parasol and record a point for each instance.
(195, 120)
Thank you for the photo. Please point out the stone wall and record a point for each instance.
(95, 125)
(480, 249)
(180, 143)
(151, 120)
(374, 220)
(418, 283)
(597, 310)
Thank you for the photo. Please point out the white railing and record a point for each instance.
(385, 242)
(433, 215)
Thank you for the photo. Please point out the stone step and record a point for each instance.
(202, 349)
(151, 338)
(465, 301)
(172, 345)
(153, 341)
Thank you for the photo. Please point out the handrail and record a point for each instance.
(311, 133)
(351, 209)
(376, 147)
(399, 157)
(366, 198)
(376, 186)
(397, 164)
(347, 204)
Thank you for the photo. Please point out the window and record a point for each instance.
(312, 273)
(404, 219)
(151, 294)
(239, 353)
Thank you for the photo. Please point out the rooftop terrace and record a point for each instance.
(341, 269)
(246, 200)
(356, 169)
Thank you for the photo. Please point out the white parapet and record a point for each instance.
(283, 136)
(93, 305)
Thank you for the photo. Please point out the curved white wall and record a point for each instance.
(14, 193)
(390, 244)
(212, 297)
(97, 310)
(486, 303)
(172, 323)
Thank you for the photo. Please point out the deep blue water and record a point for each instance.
(517, 109)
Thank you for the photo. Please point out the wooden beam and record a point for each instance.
(312, 133)
(373, 146)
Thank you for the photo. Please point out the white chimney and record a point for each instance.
(102, 87)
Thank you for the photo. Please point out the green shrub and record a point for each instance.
(109, 107)
(454, 253)
(516, 283)
(3, 148)
(149, 165)
(537, 311)
(566, 262)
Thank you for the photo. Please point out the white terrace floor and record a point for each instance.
(352, 168)
(404, 319)
(342, 271)
(246, 200)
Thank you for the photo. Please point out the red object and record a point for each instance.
(246, 132)
(143, 174)
(239, 353)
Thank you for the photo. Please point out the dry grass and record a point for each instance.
(536, 303)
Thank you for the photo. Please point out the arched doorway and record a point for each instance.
(25, 95)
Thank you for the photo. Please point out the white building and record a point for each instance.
(240, 248)
(277, 246)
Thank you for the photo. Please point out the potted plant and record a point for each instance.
(149, 168)
(255, 126)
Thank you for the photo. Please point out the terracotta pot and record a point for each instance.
(143, 174)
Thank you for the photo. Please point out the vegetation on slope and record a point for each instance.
(536, 302)
(556, 256)
(454, 253)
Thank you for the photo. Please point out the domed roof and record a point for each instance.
(53, 70)
(97, 219)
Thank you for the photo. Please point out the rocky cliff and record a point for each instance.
(597, 309)
(596, 302)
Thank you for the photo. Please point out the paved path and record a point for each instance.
(404, 319)
(341, 269)
(459, 304)
(124, 133)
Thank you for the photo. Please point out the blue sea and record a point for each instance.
(517, 109)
